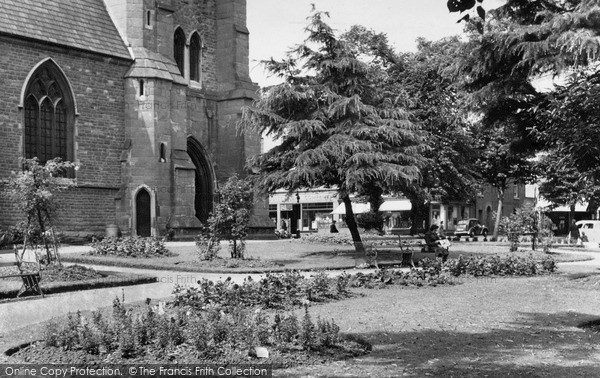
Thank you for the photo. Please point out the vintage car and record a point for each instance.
(470, 227)
(590, 229)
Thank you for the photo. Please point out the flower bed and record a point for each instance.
(345, 239)
(274, 291)
(511, 265)
(156, 334)
(131, 247)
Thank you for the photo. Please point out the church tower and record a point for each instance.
(183, 98)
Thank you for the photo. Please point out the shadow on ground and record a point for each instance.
(535, 345)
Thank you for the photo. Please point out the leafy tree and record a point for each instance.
(230, 217)
(337, 126)
(521, 41)
(562, 183)
(436, 102)
(498, 68)
(419, 82)
(568, 128)
(33, 190)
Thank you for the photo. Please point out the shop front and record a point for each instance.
(303, 211)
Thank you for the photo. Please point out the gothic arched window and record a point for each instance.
(195, 57)
(48, 116)
(179, 50)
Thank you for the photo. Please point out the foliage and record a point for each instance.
(33, 190)
(208, 246)
(229, 220)
(527, 220)
(131, 247)
(523, 41)
(337, 127)
(418, 82)
(383, 277)
(501, 266)
(545, 232)
(10, 235)
(433, 272)
(212, 332)
(562, 183)
(370, 221)
(570, 169)
(276, 291)
(438, 104)
(317, 238)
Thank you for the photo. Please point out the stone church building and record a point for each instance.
(143, 95)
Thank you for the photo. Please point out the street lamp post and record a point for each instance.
(299, 217)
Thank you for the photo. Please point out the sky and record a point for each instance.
(277, 25)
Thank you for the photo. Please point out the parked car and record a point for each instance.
(470, 227)
(589, 228)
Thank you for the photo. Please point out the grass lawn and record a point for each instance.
(494, 327)
(293, 254)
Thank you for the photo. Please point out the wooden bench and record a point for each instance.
(31, 281)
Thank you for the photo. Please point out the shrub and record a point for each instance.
(208, 246)
(308, 334)
(384, 277)
(131, 247)
(285, 329)
(277, 291)
(327, 333)
(370, 221)
(229, 220)
(33, 190)
(527, 220)
(210, 332)
(496, 265)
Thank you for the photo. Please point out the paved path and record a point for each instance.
(16, 314)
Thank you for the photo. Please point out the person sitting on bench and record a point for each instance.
(436, 244)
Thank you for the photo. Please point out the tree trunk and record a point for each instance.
(353, 227)
(376, 200)
(419, 216)
(55, 247)
(571, 213)
(498, 213)
(43, 232)
(536, 229)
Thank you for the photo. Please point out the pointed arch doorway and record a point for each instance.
(204, 178)
(143, 213)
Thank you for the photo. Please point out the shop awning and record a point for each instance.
(395, 205)
(579, 207)
(357, 208)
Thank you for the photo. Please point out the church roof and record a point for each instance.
(149, 64)
(81, 24)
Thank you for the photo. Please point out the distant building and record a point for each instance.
(516, 196)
